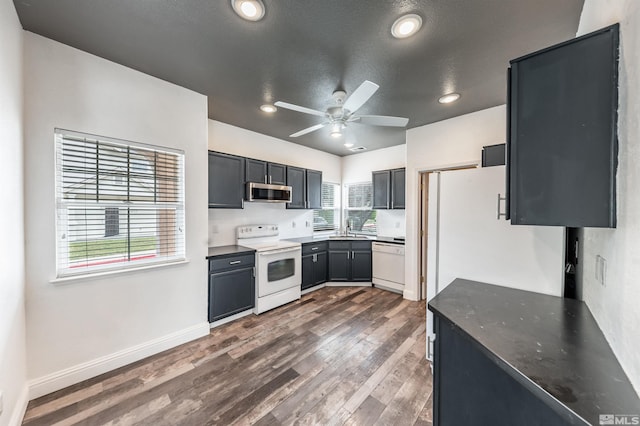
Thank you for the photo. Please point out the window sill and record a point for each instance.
(96, 275)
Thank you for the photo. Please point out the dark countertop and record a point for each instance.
(307, 240)
(551, 345)
(229, 251)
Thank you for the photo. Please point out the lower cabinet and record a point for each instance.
(349, 260)
(231, 286)
(314, 264)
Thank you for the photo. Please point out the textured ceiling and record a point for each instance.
(303, 50)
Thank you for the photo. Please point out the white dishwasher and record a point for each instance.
(388, 266)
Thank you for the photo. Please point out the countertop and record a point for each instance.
(307, 240)
(551, 345)
(232, 250)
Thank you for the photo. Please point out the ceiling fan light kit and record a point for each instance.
(406, 26)
(251, 10)
(344, 110)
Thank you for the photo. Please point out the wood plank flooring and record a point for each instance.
(339, 355)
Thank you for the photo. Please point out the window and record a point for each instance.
(328, 218)
(359, 217)
(118, 204)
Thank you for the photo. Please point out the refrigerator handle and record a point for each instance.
(499, 214)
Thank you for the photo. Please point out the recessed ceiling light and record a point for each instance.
(268, 108)
(251, 10)
(348, 145)
(448, 98)
(406, 26)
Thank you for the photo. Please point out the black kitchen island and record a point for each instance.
(510, 357)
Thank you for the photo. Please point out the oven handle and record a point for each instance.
(284, 250)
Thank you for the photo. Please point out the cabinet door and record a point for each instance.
(226, 181)
(277, 173)
(230, 292)
(397, 188)
(562, 150)
(320, 268)
(361, 265)
(256, 171)
(308, 267)
(339, 265)
(314, 189)
(381, 189)
(296, 179)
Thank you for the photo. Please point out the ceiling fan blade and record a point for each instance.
(308, 130)
(360, 96)
(298, 108)
(382, 120)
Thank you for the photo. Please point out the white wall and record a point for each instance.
(616, 305)
(80, 329)
(358, 167)
(456, 141)
(13, 369)
(292, 223)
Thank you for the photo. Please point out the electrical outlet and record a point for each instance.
(293, 224)
(601, 270)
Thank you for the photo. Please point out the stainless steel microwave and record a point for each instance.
(267, 193)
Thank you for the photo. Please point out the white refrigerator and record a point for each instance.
(467, 238)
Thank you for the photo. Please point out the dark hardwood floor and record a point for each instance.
(339, 355)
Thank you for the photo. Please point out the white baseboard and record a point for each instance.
(230, 318)
(72, 375)
(20, 408)
(348, 284)
(311, 289)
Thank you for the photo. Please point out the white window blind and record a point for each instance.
(359, 216)
(118, 204)
(328, 218)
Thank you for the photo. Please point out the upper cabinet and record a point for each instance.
(562, 133)
(306, 188)
(388, 189)
(314, 189)
(297, 180)
(226, 181)
(264, 172)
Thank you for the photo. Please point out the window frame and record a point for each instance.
(346, 208)
(337, 209)
(168, 231)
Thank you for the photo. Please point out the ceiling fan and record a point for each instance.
(344, 111)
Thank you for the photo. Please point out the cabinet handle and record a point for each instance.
(314, 248)
(253, 271)
(270, 178)
(265, 179)
(315, 258)
(353, 254)
(429, 353)
(235, 262)
(348, 254)
(498, 208)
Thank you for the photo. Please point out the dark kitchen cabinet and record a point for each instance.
(397, 188)
(314, 264)
(314, 189)
(381, 182)
(264, 172)
(297, 180)
(388, 189)
(226, 181)
(562, 125)
(231, 285)
(349, 260)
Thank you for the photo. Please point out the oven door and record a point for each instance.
(279, 270)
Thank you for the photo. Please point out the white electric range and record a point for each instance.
(278, 265)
